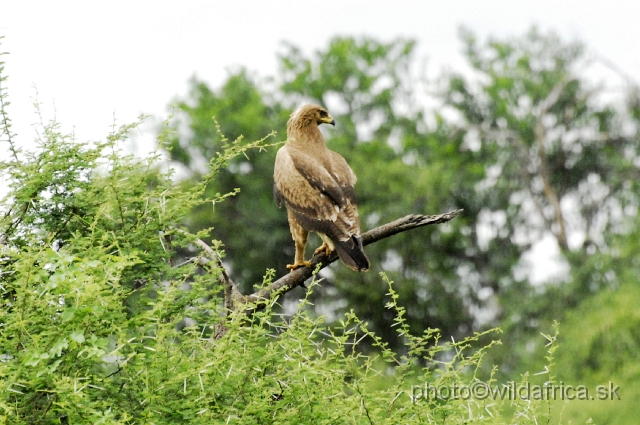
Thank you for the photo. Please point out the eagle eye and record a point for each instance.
(323, 114)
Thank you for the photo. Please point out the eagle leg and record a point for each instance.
(300, 236)
(327, 245)
(299, 261)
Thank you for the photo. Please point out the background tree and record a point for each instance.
(368, 86)
(561, 160)
(251, 228)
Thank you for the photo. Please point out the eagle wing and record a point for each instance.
(322, 198)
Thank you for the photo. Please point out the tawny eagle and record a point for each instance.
(317, 186)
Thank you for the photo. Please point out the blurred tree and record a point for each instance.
(370, 89)
(600, 337)
(548, 136)
(561, 159)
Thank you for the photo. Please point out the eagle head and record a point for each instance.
(310, 114)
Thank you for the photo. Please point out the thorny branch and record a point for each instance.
(5, 122)
(231, 291)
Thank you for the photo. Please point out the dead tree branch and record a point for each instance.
(298, 276)
(233, 299)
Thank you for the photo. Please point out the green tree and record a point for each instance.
(524, 143)
(369, 88)
(549, 136)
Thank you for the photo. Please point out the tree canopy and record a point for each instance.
(100, 323)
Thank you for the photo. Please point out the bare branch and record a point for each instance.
(201, 261)
(540, 136)
(233, 299)
(298, 276)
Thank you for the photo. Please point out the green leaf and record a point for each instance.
(68, 314)
(77, 336)
(58, 347)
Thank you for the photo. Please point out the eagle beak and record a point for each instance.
(328, 120)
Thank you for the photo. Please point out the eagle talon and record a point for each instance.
(324, 249)
(294, 266)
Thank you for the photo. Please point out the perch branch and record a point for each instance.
(298, 276)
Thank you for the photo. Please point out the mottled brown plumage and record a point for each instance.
(317, 186)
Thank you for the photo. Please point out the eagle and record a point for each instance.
(317, 186)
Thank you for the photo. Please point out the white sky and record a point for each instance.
(94, 60)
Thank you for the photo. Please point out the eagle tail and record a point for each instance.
(352, 253)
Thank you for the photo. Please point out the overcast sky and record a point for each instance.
(96, 59)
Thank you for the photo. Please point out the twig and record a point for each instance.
(201, 261)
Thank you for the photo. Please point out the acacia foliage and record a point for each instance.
(98, 326)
